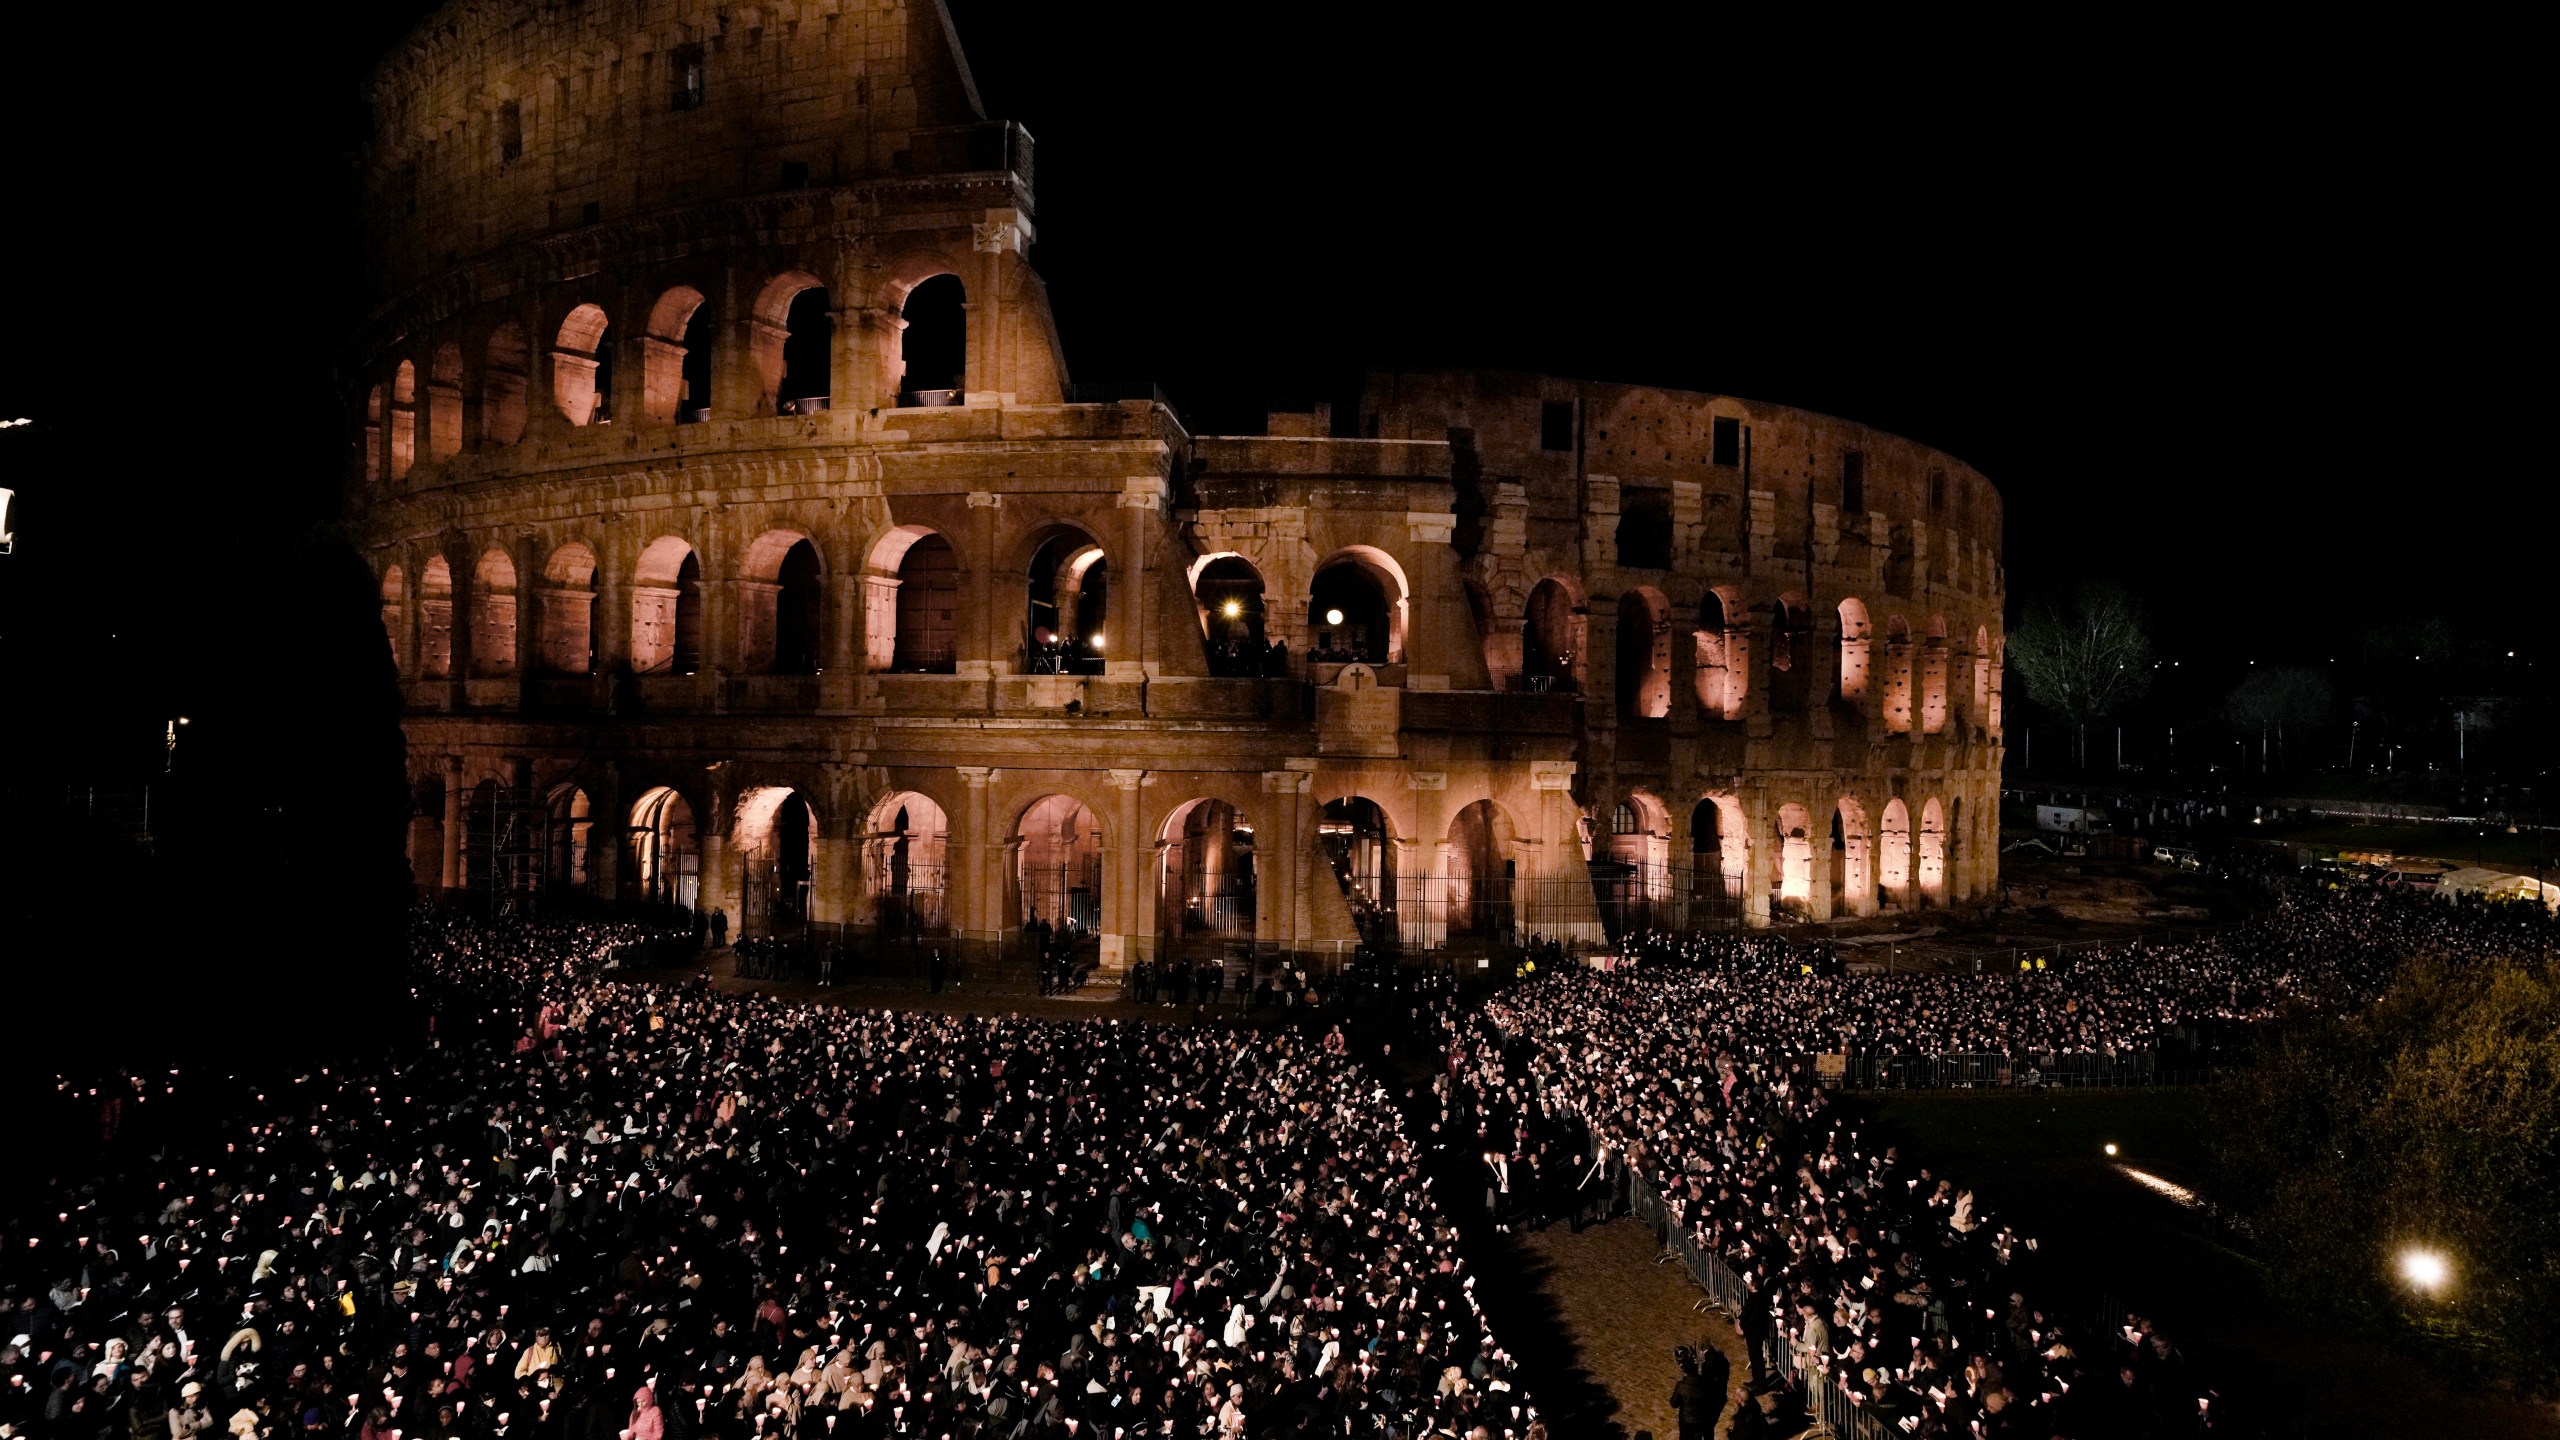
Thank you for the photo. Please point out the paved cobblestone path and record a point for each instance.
(1625, 1315)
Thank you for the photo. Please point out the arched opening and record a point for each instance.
(444, 402)
(1893, 854)
(569, 829)
(1484, 873)
(1933, 852)
(374, 418)
(1981, 709)
(1992, 711)
(1790, 653)
(1551, 639)
(1719, 857)
(568, 640)
(1644, 529)
(1854, 640)
(904, 869)
(1644, 655)
(1791, 862)
(404, 419)
(664, 856)
(933, 348)
(435, 619)
(1852, 860)
(1638, 865)
(679, 325)
(1361, 850)
(917, 630)
(666, 609)
(1897, 676)
(582, 367)
(1065, 627)
(1228, 591)
(503, 385)
(1057, 870)
(1347, 616)
(1724, 657)
(780, 605)
(493, 614)
(395, 614)
(1204, 879)
(776, 839)
(793, 342)
(1933, 678)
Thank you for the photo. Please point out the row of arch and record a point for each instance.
(483, 398)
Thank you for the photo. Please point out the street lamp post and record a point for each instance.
(169, 760)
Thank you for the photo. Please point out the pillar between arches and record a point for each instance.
(1128, 925)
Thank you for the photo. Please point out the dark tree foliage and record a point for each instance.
(2433, 1120)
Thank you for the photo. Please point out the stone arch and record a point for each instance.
(567, 643)
(775, 837)
(1980, 710)
(1637, 847)
(1227, 589)
(493, 614)
(1067, 599)
(505, 369)
(1933, 852)
(1056, 873)
(1724, 654)
(375, 417)
(666, 609)
(1358, 839)
(663, 850)
(1999, 657)
(793, 344)
(1206, 882)
(404, 420)
(1644, 655)
(568, 839)
(1893, 854)
(444, 402)
(781, 604)
(1933, 677)
(582, 366)
(1897, 676)
(675, 369)
(435, 618)
(929, 350)
(906, 875)
(1552, 630)
(911, 602)
(1483, 873)
(1855, 641)
(1366, 586)
(395, 613)
(1719, 854)
(1791, 861)
(1853, 879)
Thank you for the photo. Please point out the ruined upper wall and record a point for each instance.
(502, 120)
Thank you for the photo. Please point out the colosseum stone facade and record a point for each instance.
(744, 544)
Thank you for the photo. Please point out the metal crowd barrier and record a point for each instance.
(1972, 1070)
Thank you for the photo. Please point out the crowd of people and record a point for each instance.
(599, 1208)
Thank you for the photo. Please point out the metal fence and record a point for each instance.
(1974, 1070)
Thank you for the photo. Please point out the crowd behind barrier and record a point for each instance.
(606, 1209)
(1886, 1295)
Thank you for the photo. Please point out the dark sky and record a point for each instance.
(2232, 316)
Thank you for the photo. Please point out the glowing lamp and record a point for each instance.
(2427, 1271)
(1333, 617)
(2111, 1147)
(1097, 639)
(1233, 609)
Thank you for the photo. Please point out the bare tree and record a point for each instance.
(2273, 699)
(2084, 661)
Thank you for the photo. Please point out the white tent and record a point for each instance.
(2496, 885)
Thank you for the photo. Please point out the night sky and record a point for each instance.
(2236, 318)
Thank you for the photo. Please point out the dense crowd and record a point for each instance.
(601, 1209)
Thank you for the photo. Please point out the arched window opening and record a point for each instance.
(1644, 529)
(444, 402)
(1065, 629)
(374, 418)
(1933, 678)
(1893, 854)
(1852, 860)
(1636, 870)
(1719, 858)
(1058, 866)
(1484, 873)
(663, 856)
(1854, 642)
(1347, 616)
(404, 419)
(904, 869)
(1992, 710)
(780, 605)
(1551, 639)
(1644, 656)
(776, 838)
(925, 636)
(1790, 654)
(1204, 880)
(503, 385)
(1933, 852)
(1723, 657)
(1228, 591)
(568, 611)
(1361, 850)
(435, 619)
(569, 829)
(1897, 676)
(582, 367)
(1791, 862)
(677, 324)
(395, 614)
(1980, 711)
(493, 615)
(934, 347)
(666, 609)
(808, 354)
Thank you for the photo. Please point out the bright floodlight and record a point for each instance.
(1333, 617)
(2111, 1147)
(2426, 1270)
(1097, 639)
(1235, 609)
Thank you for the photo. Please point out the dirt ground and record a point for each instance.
(1625, 1315)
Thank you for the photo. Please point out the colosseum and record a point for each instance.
(745, 545)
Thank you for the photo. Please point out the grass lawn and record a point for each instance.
(2461, 844)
